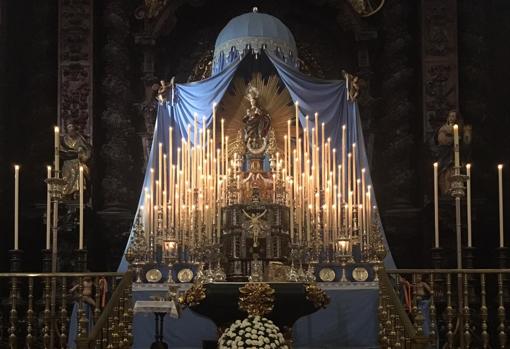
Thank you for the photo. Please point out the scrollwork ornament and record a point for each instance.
(316, 296)
(194, 295)
(257, 299)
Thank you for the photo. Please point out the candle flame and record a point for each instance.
(435, 164)
(500, 167)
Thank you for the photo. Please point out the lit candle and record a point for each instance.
(363, 201)
(164, 205)
(369, 212)
(81, 209)
(48, 209)
(57, 150)
(436, 207)
(222, 157)
(500, 178)
(289, 151)
(308, 219)
(468, 188)
(291, 213)
(354, 172)
(342, 174)
(16, 206)
(456, 144)
(214, 126)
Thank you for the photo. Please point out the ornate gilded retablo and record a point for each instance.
(256, 298)
(316, 295)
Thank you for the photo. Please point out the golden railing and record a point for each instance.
(50, 310)
(446, 308)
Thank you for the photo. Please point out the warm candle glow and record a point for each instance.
(436, 206)
(456, 144)
(500, 197)
(57, 149)
(16, 206)
(48, 209)
(468, 204)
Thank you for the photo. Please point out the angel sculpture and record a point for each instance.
(163, 89)
(256, 226)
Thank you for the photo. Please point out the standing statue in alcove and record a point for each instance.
(445, 148)
(75, 151)
(257, 121)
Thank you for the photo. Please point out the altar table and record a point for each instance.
(349, 321)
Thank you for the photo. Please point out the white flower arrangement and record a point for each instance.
(254, 332)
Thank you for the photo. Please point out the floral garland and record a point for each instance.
(254, 332)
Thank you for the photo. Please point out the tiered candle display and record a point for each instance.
(326, 188)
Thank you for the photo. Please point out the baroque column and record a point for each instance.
(397, 182)
(116, 125)
(75, 64)
(3, 85)
(118, 180)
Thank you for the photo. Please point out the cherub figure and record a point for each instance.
(163, 89)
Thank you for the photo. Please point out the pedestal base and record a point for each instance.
(158, 343)
(503, 264)
(469, 257)
(81, 260)
(46, 261)
(15, 261)
(437, 263)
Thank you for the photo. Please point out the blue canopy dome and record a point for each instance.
(253, 31)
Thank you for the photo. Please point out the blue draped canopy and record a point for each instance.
(326, 97)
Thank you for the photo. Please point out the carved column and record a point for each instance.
(116, 127)
(440, 94)
(439, 55)
(397, 178)
(155, 18)
(75, 70)
(148, 106)
(3, 91)
(119, 144)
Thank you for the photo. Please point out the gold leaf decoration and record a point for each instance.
(193, 296)
(317, 296)
(256, 298)
(274, 98)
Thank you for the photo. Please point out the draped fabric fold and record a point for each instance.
(326, 97)
(197, 98)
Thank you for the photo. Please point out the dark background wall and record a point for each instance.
(329, 32)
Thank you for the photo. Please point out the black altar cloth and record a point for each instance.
(221, 303)
(349, 321)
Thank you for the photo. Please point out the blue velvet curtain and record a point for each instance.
(327, 97)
